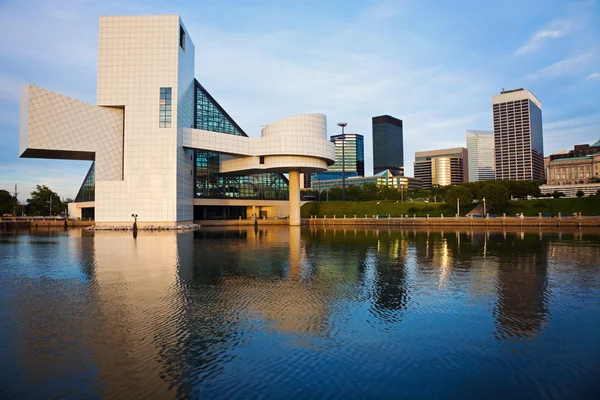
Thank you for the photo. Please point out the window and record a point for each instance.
(262, 160)
(181, 38)
(164, 116)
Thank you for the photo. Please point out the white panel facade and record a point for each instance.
(137, 57)
(54, 124)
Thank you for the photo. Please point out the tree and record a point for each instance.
(44, 201)
(496, 196)
(558, 194)
(7, 202)
(461, 193)
(370, 191)
(353, 193)
(580, 193)
(335, 193)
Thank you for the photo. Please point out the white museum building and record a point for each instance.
(161, 146)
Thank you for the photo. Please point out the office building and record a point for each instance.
(518, 136)
(442, 167)
(480, 147)
(179, 156)
(384, 178)
(351, 148)
(388, 145)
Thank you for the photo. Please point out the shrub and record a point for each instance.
(413, 209)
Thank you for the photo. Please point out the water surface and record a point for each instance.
(288, 313)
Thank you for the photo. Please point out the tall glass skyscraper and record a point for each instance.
(480, 146)
(388, 145)
(353, 148)
(518, 136)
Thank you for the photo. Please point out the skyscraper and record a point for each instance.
(353, 148)
(480, 145)
(441, 167)
(518, 136)
(388, 145)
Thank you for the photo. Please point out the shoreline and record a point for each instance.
(579, 221)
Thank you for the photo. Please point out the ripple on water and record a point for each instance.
(347, 314)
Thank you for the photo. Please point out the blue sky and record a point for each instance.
(433, 64)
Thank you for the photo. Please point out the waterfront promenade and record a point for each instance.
(540, 221)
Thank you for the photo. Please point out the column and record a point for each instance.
(294, 198)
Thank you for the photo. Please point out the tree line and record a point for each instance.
(497, 193)
(41, 202)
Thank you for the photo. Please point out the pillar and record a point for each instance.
(294, 198)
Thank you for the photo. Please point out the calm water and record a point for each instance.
(290, 313)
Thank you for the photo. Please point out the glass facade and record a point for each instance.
(164, 120)
(352, 149)
(481, 163)
(210, 116)
(388, 145)
(87, 189)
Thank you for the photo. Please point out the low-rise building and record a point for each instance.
(574, 170)
(384, 178)
(442, 167)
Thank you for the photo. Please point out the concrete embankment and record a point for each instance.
(42, 223)
(593, 222)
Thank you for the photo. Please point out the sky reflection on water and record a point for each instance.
(288, 313)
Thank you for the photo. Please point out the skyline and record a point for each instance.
(350, 61)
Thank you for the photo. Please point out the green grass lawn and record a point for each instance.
(585, 205)
(362, 208)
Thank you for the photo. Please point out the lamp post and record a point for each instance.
(378, 208)
(426, 201)
(458, 206)
(343, 124)
(484, 213)
(134, 222)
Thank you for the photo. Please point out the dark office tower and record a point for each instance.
(388, 145)
(353, 148)
(518, 137)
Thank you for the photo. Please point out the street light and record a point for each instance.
(134, 222)
(426, 201)
(458, 206)
(484, 213)
(343, 124)
(378, 209)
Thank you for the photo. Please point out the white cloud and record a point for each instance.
(552, 31)
(579, 130)
(567, 66)
(594, 76)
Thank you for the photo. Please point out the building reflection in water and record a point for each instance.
(171, 310)
(521, 309)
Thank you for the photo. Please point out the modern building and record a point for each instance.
(162, 147)
(518, 136)
(349, 154)
(442, 167)
(480, 147)
(384, 178)
(388, 145)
